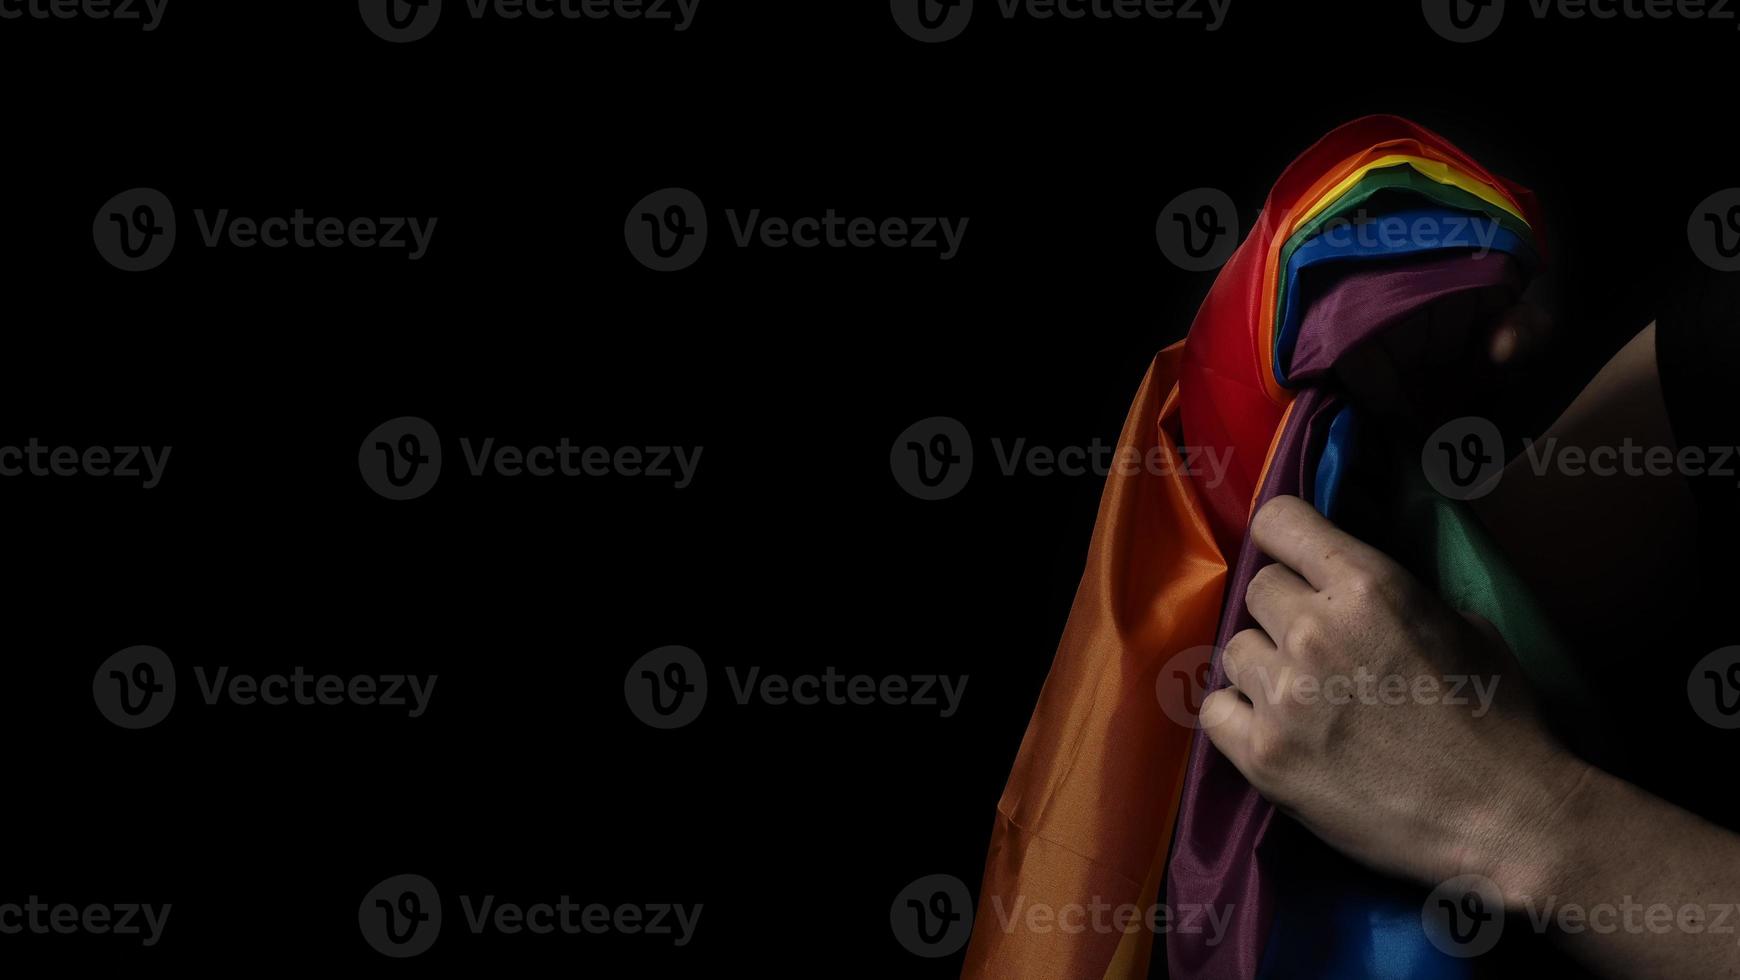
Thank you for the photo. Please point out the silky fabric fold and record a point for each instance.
(1363, 302)
(1332, 918)
(1086, 815)
(1401, 182)
(1381, 194)
(1230, 397)
(1336, 251)
(1088, 811)
(1222, 821)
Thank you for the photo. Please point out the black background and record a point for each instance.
(529, 320)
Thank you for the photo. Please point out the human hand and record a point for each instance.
(1390, 726)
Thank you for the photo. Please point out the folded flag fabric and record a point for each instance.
(1087, 813)
(1114, 801)
(1377, 192)
(1230, 395)
(1218, 859)
(1297, 912)
(1330, 254)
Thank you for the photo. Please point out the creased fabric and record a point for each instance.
(1087, 813)
(1223, 822)
(1243, 351)
(1230, 397)
(1104, 777)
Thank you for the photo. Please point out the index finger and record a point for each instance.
(1291, 531)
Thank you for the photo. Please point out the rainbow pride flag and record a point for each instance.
(1116, 799)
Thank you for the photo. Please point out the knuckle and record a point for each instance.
(1378, 587)
(1361, 581)
(1307, 636)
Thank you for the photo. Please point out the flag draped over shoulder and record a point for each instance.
(1087, 813)
(1115, 799)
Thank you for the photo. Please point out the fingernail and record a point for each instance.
(1506, 340)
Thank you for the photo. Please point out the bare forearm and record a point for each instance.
(1629, 884)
